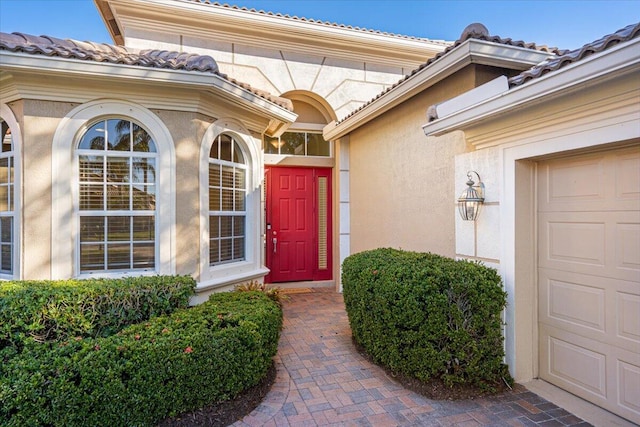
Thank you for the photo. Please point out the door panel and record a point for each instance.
(298, 212)
(289, 233)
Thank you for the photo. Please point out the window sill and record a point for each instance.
(231, 279)
(116, 274)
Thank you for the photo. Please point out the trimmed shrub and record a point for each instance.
(146, 372)
(427, 316)
(274, 293)
(45, 311)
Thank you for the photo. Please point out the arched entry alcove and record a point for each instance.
(304, 137)
(298, 196)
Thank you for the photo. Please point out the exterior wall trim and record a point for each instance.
(16, 133)
(252, 267)
(64, 185)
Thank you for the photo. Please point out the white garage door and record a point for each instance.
(589, 277)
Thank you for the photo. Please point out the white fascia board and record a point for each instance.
(197, 80)
(279, 32)
(602, 65)
(471, 51)
(291, 24)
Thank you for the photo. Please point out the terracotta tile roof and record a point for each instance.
(103, 52)
(473, 31)
(627, 33)
(315, 21)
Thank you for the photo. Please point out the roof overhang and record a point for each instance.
(488, 105)
(266, 30)
(472, 51)
(17, 62)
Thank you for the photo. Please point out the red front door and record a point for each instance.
(297, 222)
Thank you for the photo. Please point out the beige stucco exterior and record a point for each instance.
(40, 120)
(187, 130)
(402, 190)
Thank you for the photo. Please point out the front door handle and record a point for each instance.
(275, 244)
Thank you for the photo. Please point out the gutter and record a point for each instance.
(470, 108)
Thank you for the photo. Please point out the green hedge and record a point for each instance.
(147, 372)
(427, 316)
(46, 311)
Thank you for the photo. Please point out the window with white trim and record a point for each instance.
(117, 210)
(227, 201)
(7, 204)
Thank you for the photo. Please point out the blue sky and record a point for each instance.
(564, 24)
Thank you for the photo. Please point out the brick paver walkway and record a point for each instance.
(322, 380)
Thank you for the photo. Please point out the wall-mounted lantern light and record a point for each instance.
(471, 198)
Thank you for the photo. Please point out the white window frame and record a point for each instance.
(16, 134)
(251, 267)
(105, 212)
(217, 162)
(65, 187)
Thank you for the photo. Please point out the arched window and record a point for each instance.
(304, 137)
(117, 162)
(7, 200)
(227, 201)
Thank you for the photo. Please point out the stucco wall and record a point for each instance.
(402, 184)
(40, 120)
(187, 130)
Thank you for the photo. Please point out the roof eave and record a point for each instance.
(268, 30)
(472, 51)
(18, 61)
(605, 64)
(110, 22)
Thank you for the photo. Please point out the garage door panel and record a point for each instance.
(628, 247)
(601, 181)
(599, 308)
(589, 277)
(628, 381)
(628, 316)
(568, 300)
(573, 241)
(600, 243)
(627, 171)
(564, 181)
(609, 377)
(570, 360)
